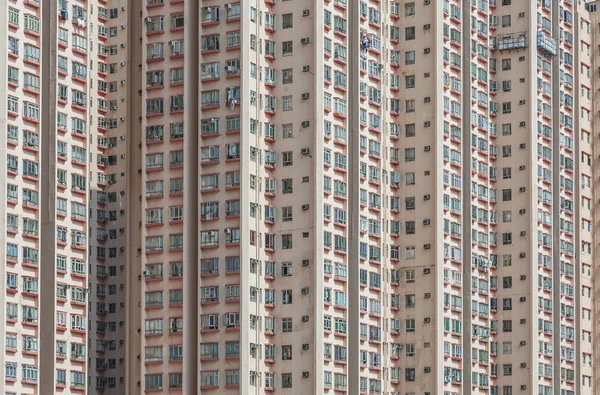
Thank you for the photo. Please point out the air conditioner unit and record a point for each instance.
(148, 20)
(523, 321)
(304, 318)
(522, 167)
(522, 343)
(521, 15)
(522, 145)
(426, 26)
(427, 320)
(522, 189)
(305, 346)
(427, 295)
(305, 207)
(305, 96)
(522, 211)
(426, 2)
(305, 124)
(122, 119)
(427, 124)
(122, 249)
(522, 124)
(521, 102)
(427, 99)
(305, 375)
(427, 369)
(427, 148)
(426, 197)
(121, 341)
(523, 364)
(523, 387)
(228, 6)
(522, 255)
(427, 50)
(523, 277)
(304, 40)
(305, 68)
(123, 45)
(426, 221)
(122, 156)
(305, 291)
(122, 230)
(122, 305)
(305, 262)
(305, 151)
(123, 27)
(427, 246)
(523, 233)
(522, 299)
(426, 270)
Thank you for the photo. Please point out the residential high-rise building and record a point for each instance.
(68, 74)
(362, 197)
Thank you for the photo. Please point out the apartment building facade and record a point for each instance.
(381, 197)
(66, 120)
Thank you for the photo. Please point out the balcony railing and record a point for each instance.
(512, 41)
(546, 44)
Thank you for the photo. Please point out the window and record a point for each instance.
(233, 39)
(287, 103)
(287, 48)
(286, 352)
(287, 21)
(175, 242)
(176, 353)
(31, 110)
(153, 382)
(286, 242)
(30, 373)
(177, 20)
(155, 106)
(210, 98)
(287, 185)
(154, 51)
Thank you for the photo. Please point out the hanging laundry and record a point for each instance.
(365, 42)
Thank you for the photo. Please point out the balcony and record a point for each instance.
(546, 44)
(512, 41)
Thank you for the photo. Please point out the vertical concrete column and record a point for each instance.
(190, 201)
(47, 182)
